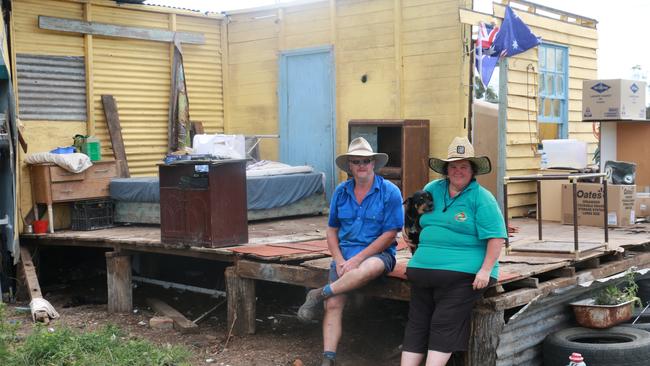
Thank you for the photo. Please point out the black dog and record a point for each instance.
(416, 205)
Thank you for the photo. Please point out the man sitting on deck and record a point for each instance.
(366, 214)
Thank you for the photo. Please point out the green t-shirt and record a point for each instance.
(454, 235)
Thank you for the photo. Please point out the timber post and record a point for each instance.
(240, 293)
(118, 274)
(486, 328)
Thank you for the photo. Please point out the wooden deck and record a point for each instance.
(294, 252)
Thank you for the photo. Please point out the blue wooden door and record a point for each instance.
(306, 101)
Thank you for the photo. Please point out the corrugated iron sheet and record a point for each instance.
(137, 73)
(203, 72)
(521, 340)
(51, 87)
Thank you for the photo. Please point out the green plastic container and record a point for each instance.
(92, 148)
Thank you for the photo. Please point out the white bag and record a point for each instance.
(227, 146)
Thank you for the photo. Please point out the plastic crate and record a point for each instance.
(92, 214)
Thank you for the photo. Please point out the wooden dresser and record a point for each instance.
(203, 208)
(51, 184)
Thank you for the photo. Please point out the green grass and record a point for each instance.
(107, 346)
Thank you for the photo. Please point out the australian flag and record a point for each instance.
(514, 37)
(485, 58)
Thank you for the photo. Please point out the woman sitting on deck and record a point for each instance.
(456, 259)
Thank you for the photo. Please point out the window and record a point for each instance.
(552, 110)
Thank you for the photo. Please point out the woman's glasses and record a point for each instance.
(360, 161)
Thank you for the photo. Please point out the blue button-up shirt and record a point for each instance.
(360, 224)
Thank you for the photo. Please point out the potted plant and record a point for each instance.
(612, 305)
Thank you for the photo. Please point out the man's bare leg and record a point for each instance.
(333, 322)
(367, 271)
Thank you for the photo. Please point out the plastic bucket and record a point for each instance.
(40, 226)
(92, 148)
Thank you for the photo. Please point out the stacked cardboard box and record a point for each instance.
(642, 205)
(590, 198)
(615, 99)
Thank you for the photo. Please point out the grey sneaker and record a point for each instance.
(328, 362)
(312, 306)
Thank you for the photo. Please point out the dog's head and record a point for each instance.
(419, 203)
(422, 201)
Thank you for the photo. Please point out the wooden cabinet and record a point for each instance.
(51, 184)
(203, 208)
(406, 141)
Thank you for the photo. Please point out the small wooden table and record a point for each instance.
(51, 184)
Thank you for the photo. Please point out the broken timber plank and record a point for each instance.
(115, 130)
(181, 323)
(388, 287)
(521, 297)
(589, 263)
(528, 282)
(118, 278)
(31, 282)
(241, 303)
(112, 30)
(561, 272)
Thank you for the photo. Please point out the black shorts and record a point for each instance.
(440, 311)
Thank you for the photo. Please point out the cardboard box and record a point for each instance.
(551, 190)
(642, 205)
(613, 99)
(620, 201)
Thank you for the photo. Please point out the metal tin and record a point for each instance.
(29, 229)
(590, 315)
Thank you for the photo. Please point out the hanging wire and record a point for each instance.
(530, 69)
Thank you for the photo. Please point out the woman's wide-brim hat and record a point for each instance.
(461, 149)
(360, 147)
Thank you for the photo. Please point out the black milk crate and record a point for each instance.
(92, 214)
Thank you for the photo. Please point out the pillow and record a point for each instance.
(75, 163)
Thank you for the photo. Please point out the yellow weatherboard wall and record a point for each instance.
(582, 43)
(409, 50)
(136, 72)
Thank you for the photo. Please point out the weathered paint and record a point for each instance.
(40, 136)
(136, 72)
(409, 50)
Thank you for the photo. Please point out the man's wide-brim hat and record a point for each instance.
(360, 147)
(461, 149)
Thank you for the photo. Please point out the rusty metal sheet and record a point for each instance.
(312, 246)
(268, 250)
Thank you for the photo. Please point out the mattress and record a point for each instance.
(263, 192)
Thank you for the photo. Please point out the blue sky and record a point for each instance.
(621, 28)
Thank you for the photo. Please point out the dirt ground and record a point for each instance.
(372, 334)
